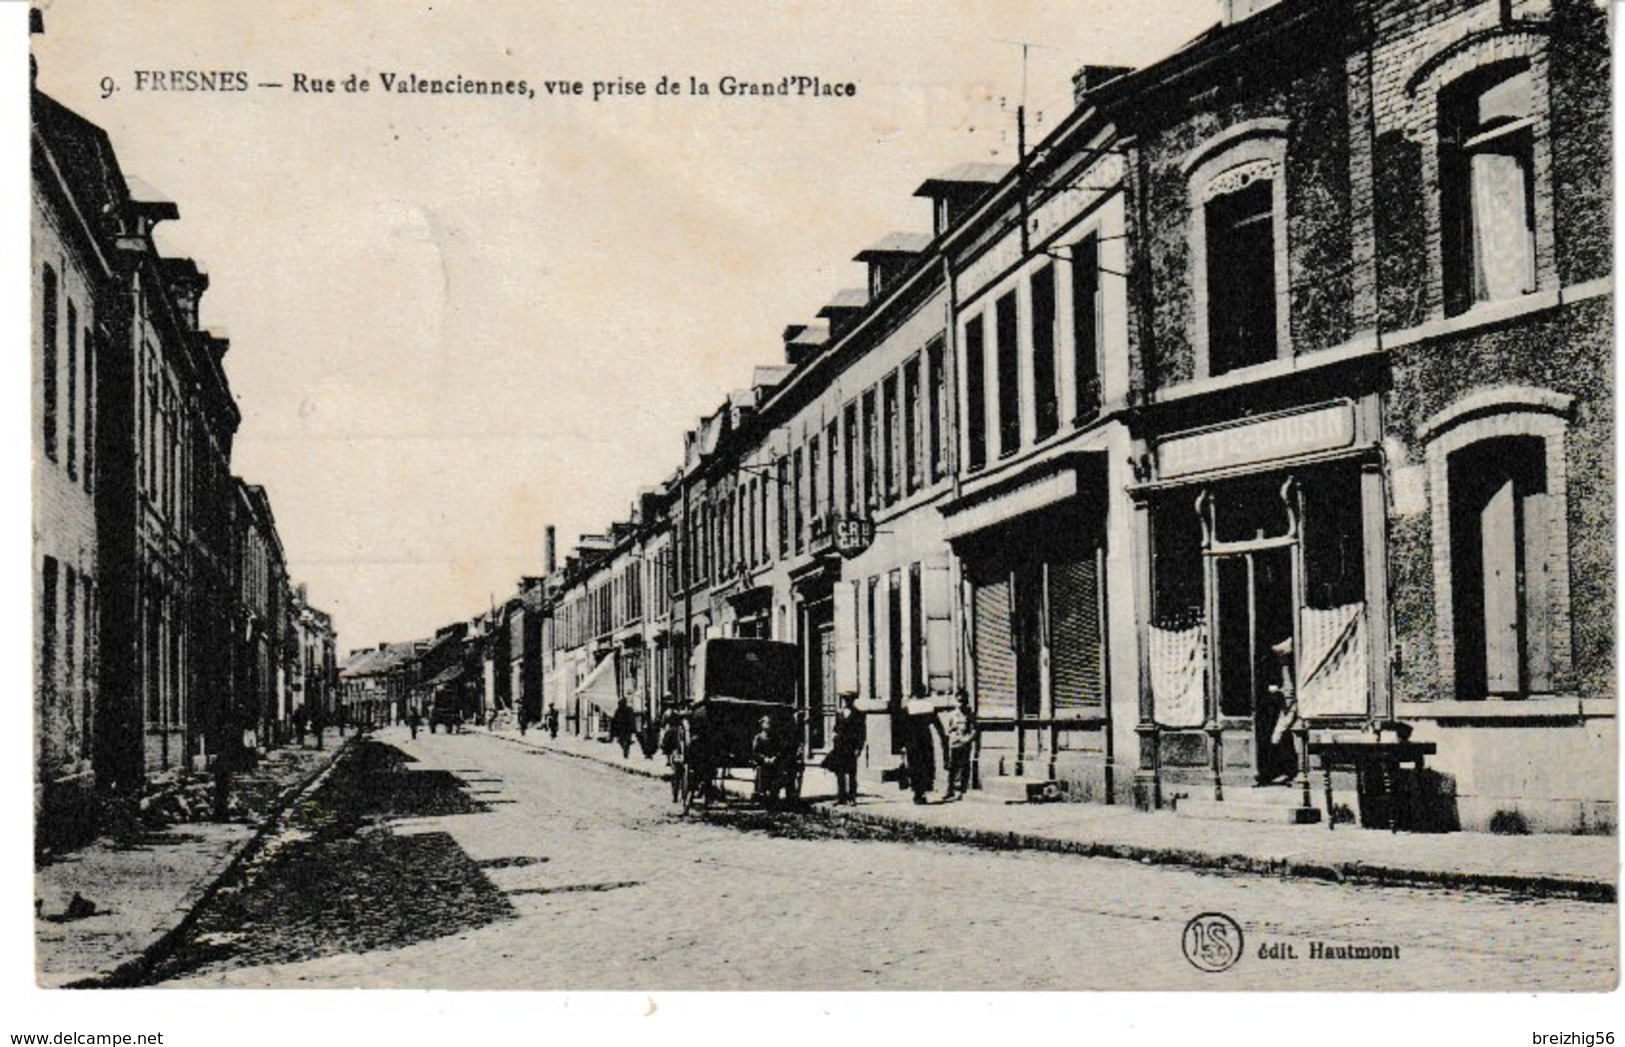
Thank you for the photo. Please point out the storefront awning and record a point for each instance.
(448, 675)
(599, 687)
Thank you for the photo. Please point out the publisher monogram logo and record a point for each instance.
(1212, 942)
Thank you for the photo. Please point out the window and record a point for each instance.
(1498, 560)
(783, 470)
(73, 394)
(975, 395)
(911, 425)
(1006, 327)
(832, 474)
(1046, 396)
(70, 635)
(801, 502)
(889, 427)
(1241, 271)
(1486, 167)
(871, 452)
(1496, 467)
(936, 379)
(48, 630)
(48, 365)
(1086, 327)
(90, 408)
(850, 425)
(815, 462)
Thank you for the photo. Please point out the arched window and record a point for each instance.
(1500, 542)
(1486, 186)
(1239, 267)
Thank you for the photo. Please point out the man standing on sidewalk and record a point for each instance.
(960, 728)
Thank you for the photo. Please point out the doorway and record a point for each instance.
(1253, 612)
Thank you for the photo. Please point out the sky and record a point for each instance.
(456, 320)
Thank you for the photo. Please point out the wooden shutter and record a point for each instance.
(846, 637)
(1077, 648)
(1498, 530)
(1537, 593)
(995, 657)
(937, 597)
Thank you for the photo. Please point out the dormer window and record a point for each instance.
(1486, 168)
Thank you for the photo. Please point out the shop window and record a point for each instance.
(1486, 186)
(1241, 276)
(1007, 327)
(1046, 398)
(975, 395)
(1176, 563)
(1086, 312)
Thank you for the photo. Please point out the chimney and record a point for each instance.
(1092, 76)
(1238, 10)
(550, 550)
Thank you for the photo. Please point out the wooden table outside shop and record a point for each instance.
(1367, 755)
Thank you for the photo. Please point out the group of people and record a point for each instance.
(922, 727)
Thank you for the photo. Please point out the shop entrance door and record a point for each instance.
(1253, 602)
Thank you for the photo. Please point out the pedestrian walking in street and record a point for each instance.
(552, 721)
(844, 750)
(921, 728)
(959, 730)
(301, 723)
(413, 722)
(623, 727)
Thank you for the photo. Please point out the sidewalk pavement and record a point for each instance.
(1583, 867)
(144, 890)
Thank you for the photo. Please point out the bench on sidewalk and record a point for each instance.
(1376, 763)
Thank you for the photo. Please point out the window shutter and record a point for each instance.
(846, 638)
(937, 598)
(1537, 593)
(995, 657)
(1077, 661)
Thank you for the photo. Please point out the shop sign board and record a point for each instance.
(1259, 440)
(853, 534)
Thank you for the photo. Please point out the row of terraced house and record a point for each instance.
(1294, 347)
(166, 629)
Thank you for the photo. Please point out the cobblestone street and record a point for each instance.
(485, 864)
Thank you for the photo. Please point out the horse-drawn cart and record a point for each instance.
(743, 714)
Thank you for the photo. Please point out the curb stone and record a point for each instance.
(1344, 872)
(133, 973)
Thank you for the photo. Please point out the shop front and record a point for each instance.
(1267, 597)
(1034, 564)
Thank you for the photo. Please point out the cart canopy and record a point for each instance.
(747, 670)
